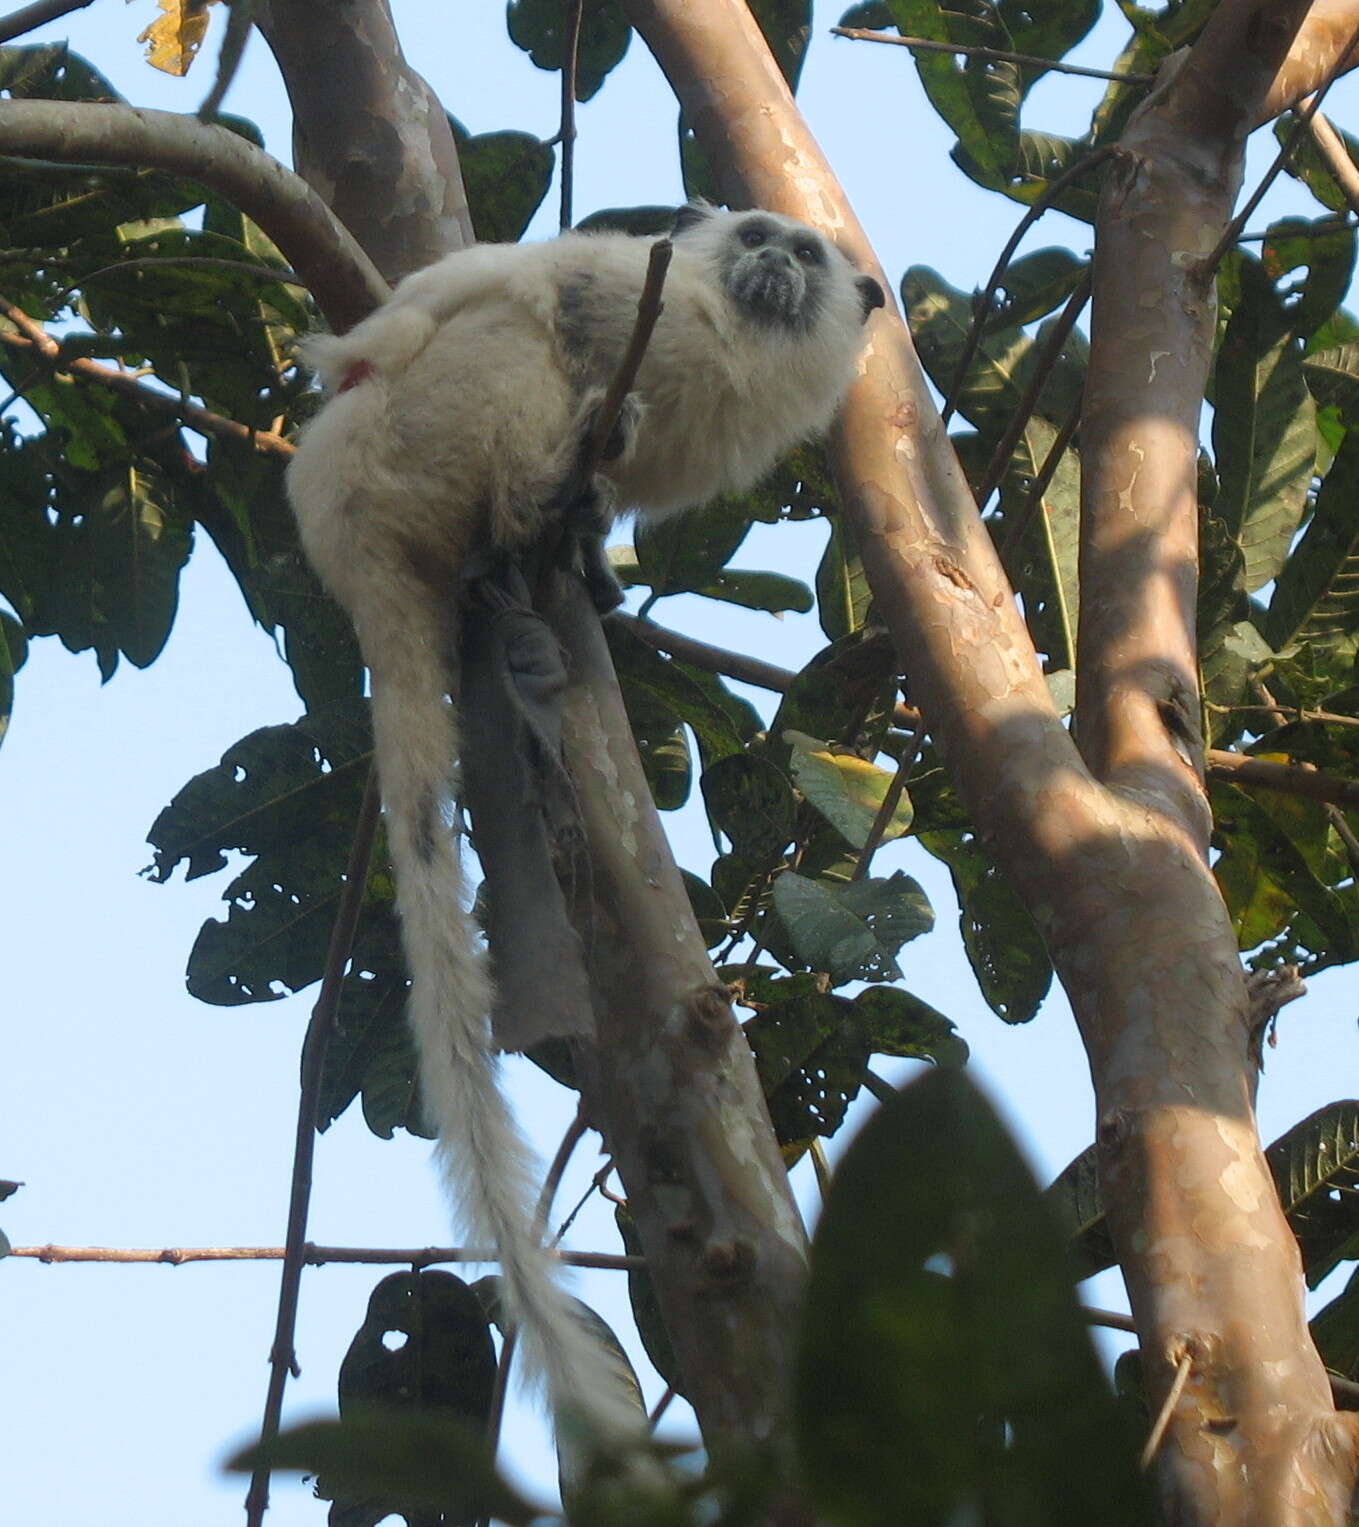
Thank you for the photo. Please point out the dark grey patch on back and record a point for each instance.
(577, 320)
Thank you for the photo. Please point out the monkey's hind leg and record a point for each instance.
(585, 503)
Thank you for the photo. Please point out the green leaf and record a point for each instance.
(1078, 1205)
(1316, 1169)
(539, 27)
(1007, 955)
(416, 1461)
(846, 789)
(1316, 597)
(933, 1256)
(772, 592)
(5, 1246)
(1335, 1330)
(1033, 286)
(752, 802)
(1333, 377)
(1264, 430)
(852, 932)
(1327, 255)
(506, 176)
(843, 597)
(8, 1189)
(786, 25)
(812, 1049)
(685, 552)
(1305, 163)
(978, 98)
(940, 317)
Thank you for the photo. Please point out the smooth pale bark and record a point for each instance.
(368, 132)
(689, 1129)
(1115, 877)
(674, 1079)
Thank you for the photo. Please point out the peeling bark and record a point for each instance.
(368, 133)
(1107, 850)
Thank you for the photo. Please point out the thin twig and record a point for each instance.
(240, 18)
(661, 1406)
(566, 134)
(1043, 366)
(30, 17)
(36, 340)
(1016, 530)
(1316, 230)
(1291, 712)
(265, 272)
(313, 1255)
(1000, 55)
(592, 448)
(1302, 125)
(820, 1166)
(1288, 779)
(1158, 1429)
(881, 1089)
(1110, 1318)
(891, 796)
(981, 306)
(1331, 146)
(282, 1355)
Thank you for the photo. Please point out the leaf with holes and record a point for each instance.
(852, 932)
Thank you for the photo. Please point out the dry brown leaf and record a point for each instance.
(174, 38)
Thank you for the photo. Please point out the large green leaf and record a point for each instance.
(945, 1372)
(940, 317)
(1007, 955)
(506, 176)
(847, 790)
(1264, 431)
(1315, 1166)
(540, 28)
(418, 1461)
(812, 1048)
(852, 932)
(1316, 597)
(978, 98)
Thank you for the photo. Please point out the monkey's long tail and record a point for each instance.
(485, 1161)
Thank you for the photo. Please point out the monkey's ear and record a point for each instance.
(691, 214)
(870, 295)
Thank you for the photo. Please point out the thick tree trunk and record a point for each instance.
(1107, 850)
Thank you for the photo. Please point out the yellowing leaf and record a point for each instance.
(174, 37)
(845, 789)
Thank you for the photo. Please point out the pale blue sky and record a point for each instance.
(137, 1116)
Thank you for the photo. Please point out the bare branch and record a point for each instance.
(37, 341)
(313, 1255)
(1001, 55)
(30, 17)
(345, 283)
(566, 133)
(1331, 147)
(1288, 779)
(282, 1355)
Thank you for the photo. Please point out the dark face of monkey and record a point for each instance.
(777, 271)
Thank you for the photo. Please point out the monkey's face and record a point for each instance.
(776, 271)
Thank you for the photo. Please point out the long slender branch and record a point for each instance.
(313, 1255)
(30, 17)
(1331, 146)
(982, 305)
(1001, 55)
(344, 281)
(282, 1356)
(33, 338)
(566, 133)
(1233, 768)
(1044, 363)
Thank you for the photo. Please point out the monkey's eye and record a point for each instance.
(752, 238)
(809, 254)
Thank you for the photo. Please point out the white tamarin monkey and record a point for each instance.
(458, 413)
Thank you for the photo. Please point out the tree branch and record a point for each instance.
(34, 339)
(30, 17)
(340, 276)
(1001, 55)
(312, 1255)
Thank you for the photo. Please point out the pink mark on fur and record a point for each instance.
(360, 371)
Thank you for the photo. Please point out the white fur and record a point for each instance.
(475, 376)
